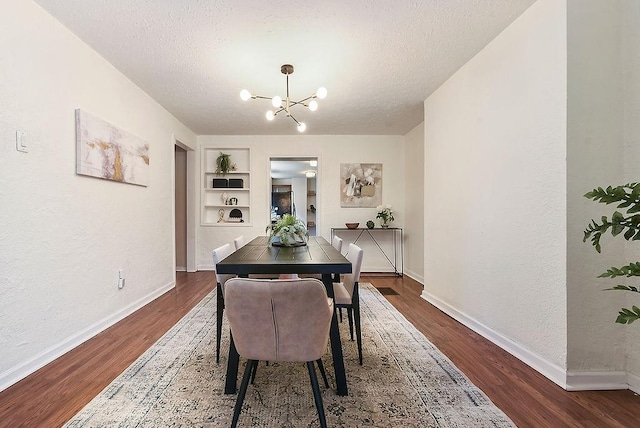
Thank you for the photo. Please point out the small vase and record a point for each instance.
(384, 223)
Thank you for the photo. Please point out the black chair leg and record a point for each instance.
(219, 312)
(322, 372)
(253, 373)
(243, 390)
(350, 313)
(356, 315)
(316, 394)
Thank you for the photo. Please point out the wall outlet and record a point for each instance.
(120, 279)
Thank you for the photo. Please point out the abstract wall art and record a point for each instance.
(107, 152)
(360, 185)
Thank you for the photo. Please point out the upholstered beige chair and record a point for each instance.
(278, 320)
(347, 296)
(219, 254)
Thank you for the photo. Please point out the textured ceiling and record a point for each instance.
(378, 59)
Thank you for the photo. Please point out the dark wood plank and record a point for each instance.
(51, 396)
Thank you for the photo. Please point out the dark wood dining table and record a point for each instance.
(317, 257)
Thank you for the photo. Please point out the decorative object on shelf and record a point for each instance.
(385, 214)
(220, 183)
(352, 225)
(235, 216)
(360, 185)
(223, 164)
(286, 104)
(221, 216)
(288, 231)
(233, 201)
(236, 183)
(312, 208)
(371, 224)
(225, 198)
(628, 196)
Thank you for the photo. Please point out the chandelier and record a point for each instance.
(285, 105)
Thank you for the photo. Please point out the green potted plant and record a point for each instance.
(628, 198)
(223, 164)
(288, 231)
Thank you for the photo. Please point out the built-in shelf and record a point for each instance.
(216, 206)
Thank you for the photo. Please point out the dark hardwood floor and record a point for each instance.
(52, 395)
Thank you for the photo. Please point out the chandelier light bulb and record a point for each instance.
(301, 127)
(270, 115)
(276, 101)
(321, 93)
(245, 95)
(313, 105)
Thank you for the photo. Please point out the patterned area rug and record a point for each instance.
(405, 382)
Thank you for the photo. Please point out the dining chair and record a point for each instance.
(219, 254)
(239, 242)
(346, 293)
(279, 320)
(336, 242)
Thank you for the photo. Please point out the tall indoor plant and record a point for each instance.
(627, 223)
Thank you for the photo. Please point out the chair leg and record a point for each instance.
(219, 312)
(253, 373)
(350, 313)
(322, 372)
(356, 315)
(243, 390)
(316, 394)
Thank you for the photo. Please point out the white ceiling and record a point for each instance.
(379, 59)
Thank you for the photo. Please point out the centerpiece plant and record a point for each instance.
(288, 230)
(626, 223)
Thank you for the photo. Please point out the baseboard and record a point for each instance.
(23, 370)
(181, 268)
(596, 381)
(206, 267)
(414, 276)
(634, 383)
(551, 371)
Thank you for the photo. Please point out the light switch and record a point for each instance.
(21, 141)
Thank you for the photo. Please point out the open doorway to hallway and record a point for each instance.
(181, 208)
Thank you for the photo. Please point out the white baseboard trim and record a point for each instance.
(30, 366)
(551, 371)
(206, 267)
(596, 381)
(634, 383)
(181, 268)
(414, 276)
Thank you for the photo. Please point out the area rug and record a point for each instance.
(405, 382)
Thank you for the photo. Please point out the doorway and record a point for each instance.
(294, 188)
(181, 208)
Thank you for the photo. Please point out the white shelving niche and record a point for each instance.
(214, 211)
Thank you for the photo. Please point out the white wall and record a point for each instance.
(603, 137)
(495, 174)
(414, 203)
(331, 151)
(64, 236)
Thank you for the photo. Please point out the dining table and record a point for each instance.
(316, 256)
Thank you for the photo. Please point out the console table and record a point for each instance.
(396, 233)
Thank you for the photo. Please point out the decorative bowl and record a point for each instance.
(352, 225)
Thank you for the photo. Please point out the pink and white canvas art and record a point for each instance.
(107, 152)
